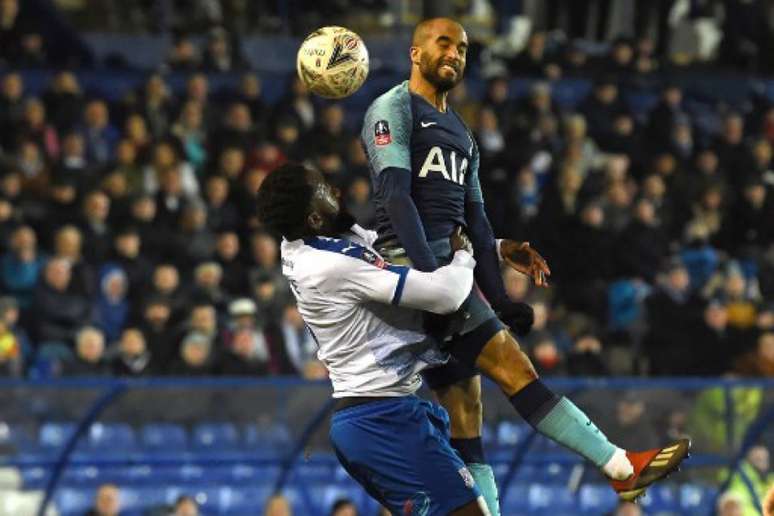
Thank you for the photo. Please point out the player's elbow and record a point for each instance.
(451, 296)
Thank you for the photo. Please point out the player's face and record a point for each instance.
(442, 56)
(326, 215)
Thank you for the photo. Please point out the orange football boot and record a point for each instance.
(651, 466)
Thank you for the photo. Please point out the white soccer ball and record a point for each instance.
(332, 62)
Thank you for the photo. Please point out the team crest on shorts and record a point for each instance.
(382, 133)
(466, 477)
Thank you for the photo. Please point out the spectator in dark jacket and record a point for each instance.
(133, 357)
(195, 357)
(160, 336)
(89, 355)
(21, 266)
(57, 310)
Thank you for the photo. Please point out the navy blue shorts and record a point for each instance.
(399, 451)
(477, 325)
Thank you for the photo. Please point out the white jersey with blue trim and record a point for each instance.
(363, 311)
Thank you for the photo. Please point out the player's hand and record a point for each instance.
(460, 241)
(523, 258)
(518, 316)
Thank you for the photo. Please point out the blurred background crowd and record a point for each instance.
(129, 244)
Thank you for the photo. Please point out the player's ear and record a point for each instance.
(414, 53)
(314, 221)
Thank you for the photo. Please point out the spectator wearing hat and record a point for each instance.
(112, 304)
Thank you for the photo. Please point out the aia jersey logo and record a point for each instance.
(382, 133)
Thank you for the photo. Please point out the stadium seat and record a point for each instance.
(112, 438)
(14, 438)
(55, 435)
(215, 436)
(243, 500)
(697, 499)
(661, 498)
(510, 434)
(82, 476)
(34, 477)
(73, 500)
(164, 436)
(542, 497)
(597, 499)
(276, 435)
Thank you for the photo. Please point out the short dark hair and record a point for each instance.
(283, 200)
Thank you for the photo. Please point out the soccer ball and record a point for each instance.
(332, 62)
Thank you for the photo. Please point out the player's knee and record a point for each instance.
(503, 360)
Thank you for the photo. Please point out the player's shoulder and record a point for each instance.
(332, 257)
(395, 101)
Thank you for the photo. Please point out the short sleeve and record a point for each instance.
(473, 186)
(363, 278)
(386, 132)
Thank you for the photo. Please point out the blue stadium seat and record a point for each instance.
(114, 438)
(557, 499)
(697, 499)
(274, 435)
(597, 499)
(510, 434)
(34, 477)
(243, 500)
(164, 436)
(52, 436)
(216, 436)
(15, 437)
(73, 500)
(661, 498)
(83, 476)
(516, 500)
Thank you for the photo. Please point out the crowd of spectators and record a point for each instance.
(129, 244)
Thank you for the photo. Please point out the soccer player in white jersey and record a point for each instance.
(358, 308)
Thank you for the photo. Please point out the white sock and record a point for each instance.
(618, 467)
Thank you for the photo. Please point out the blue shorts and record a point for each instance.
(399, 451)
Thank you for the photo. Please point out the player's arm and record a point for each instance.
(442, 291)
(386, 133)
(518, 316)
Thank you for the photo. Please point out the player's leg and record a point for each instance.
(457, 388)
(399, 450)
(500, 358)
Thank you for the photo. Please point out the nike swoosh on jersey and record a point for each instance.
(427, 124)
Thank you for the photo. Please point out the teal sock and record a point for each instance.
(568, 425)
(485, 480)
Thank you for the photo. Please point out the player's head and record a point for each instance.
(438, 52)
(296, 202)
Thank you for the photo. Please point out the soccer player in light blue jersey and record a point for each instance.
(424, 164)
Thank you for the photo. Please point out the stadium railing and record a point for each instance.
(55, 431)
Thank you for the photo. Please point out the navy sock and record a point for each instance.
(534, 401)
(471, 450)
